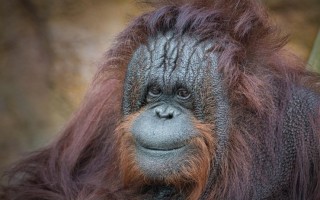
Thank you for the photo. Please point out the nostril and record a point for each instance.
(158, 112)
(170, 115)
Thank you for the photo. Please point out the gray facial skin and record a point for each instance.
(161, 140)
(167, 64)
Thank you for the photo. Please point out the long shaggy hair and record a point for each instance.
(86, 162)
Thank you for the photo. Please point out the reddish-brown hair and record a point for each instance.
(258, 76)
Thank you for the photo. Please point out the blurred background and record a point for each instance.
(49, 50)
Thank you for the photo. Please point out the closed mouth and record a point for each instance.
(160, 149)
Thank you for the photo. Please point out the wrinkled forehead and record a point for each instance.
(170, 60)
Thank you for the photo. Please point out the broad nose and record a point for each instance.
(166, 112)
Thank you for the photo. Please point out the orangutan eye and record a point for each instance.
(154, 91)
(183, 93)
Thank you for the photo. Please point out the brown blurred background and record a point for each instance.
(49, 50)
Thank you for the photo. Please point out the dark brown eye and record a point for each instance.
(154, 91)
(183, 93)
